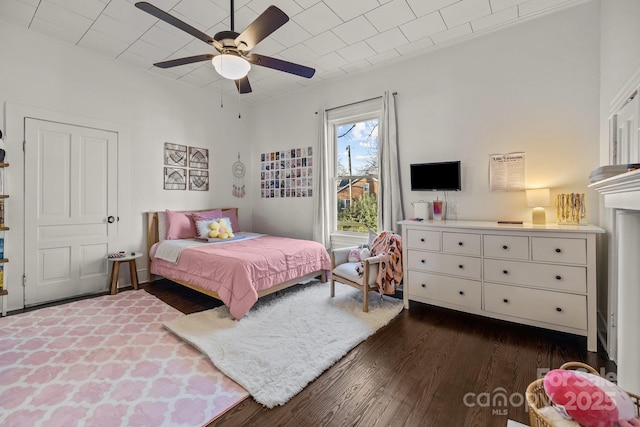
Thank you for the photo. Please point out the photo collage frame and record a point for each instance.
(286, 173)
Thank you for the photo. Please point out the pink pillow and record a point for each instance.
(180, 225)
(206, 215)
(233, 217)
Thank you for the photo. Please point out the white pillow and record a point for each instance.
(203, 226)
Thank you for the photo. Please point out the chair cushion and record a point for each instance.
(348, 271)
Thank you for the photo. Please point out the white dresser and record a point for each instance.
(543, 275)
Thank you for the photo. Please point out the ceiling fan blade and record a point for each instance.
(265, 24)
(243, 85)
(172, 20)
(279, 64)
(184, 61)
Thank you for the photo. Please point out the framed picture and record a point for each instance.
(198, 180)
(198, 158)
(175, 155)
(175, 179)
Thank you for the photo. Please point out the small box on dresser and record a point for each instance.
(542, 276)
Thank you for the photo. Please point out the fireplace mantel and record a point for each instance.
(620, 191)
(621, 199)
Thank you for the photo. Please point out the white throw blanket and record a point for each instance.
(170, 250)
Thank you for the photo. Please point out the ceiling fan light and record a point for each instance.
(231, 67)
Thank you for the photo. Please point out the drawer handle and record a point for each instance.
(506, 301)
(505, 271)
(422, 261)
(424, 285)
(558, 250)
(505, 247)
(460, 244)
(461, 293)
(559, 309)
(422, 239)
(461, 267)
(558, 277)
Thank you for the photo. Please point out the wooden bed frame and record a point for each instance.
(153, 236)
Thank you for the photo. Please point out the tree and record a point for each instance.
(364, 211)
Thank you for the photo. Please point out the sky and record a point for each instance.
(362, 138)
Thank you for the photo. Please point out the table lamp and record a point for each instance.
(538, 199)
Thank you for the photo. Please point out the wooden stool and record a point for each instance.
(115, 271)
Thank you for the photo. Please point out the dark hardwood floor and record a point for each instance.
(428, 367)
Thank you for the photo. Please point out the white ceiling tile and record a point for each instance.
(298, 54)
(117, 29)
(495, 19)
(147, 50)
(384, 57)
(87, 8)
(348, 10)
(423, 7)
(317, 19)
(355, 30)
(535, 6)
(392, 14)
(356, 52)
(137, 60)
(415, 47)
(268, 46)
(330, 61)
(127, 13)
(201, 76)
(452, 33)
(59, 32)
(33, 3)
(242, 19)
(423, 27)
(465, 11)
(290, 7)
(290, 33)
(306, 3)
(327, 75)
(159, 37)
(201, 12)
(102, 43)
(356, 66)
(17, 12)
(324, 43)
(71, 24)
(388, 40)
(498, 5)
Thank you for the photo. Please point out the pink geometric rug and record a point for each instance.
(106, 361)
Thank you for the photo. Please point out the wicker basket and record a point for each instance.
(537, 398)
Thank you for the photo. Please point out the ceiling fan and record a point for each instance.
(234, 60)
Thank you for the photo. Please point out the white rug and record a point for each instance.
(286, 341)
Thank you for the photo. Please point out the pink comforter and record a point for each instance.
(236, 271)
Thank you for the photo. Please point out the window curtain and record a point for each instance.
(321, 188)
(390, 196)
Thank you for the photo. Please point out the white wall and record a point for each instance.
(531, 87)
(146, 108)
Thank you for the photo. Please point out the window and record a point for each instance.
(354, 136)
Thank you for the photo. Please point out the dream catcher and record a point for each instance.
(238, 178)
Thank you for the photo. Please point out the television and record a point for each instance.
(440, 176)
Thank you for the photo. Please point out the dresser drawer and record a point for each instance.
(512, 247)
(461, 243)
(424, 239)
(573, 251)
(456, 265)
(451, 290)
(550, 276)
(556, 308)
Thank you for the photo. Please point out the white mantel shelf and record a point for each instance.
(620, 191)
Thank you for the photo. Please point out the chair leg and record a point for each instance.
(333, 287)
(365, 298)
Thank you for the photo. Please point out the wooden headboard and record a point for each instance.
(153, 231)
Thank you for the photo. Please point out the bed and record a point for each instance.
(238, 271)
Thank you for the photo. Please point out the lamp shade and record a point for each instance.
(231, 66)
(538, 197)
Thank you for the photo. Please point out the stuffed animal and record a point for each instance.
(220, 229)
(588, 398)
(357, 255)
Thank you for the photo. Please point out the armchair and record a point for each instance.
(345, 272)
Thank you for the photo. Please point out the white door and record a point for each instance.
(70, 197)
